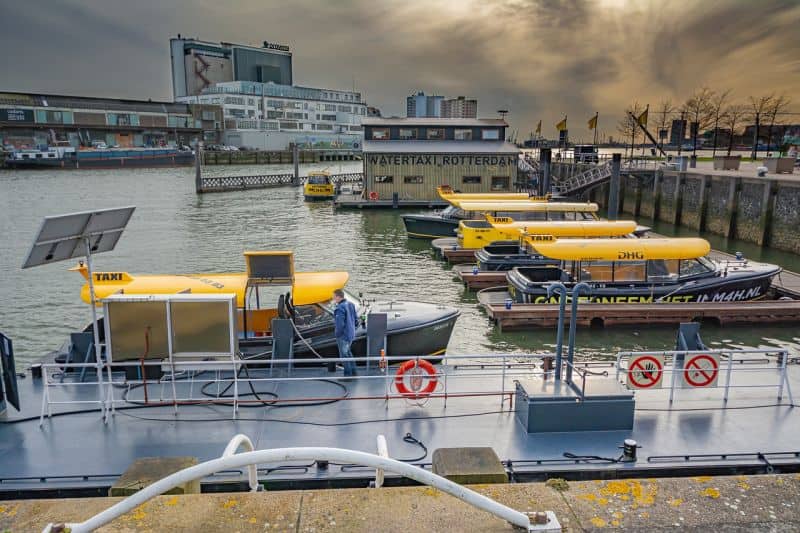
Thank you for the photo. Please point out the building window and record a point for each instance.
(380, 134)
(472, 180)
(435, 134)
(288, 125)
(463, 135)
(408, 133)
(490, 135)
(412, 179)
(331, 118)
(384, 179)
(500, 183)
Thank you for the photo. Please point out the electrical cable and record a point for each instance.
(588, 458)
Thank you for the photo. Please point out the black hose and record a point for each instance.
(409, 438)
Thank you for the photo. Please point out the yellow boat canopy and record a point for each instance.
(525, 206)
(307, 287)
(564, 228)
(447, 194)
(618, 249)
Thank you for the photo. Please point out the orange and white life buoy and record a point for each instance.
(373, 196)
(418, 370)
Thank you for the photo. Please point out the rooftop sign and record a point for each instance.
(276, 46)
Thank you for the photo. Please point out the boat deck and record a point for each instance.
(76, 453)
(521, 316)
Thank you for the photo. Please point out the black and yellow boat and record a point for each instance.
(303, 297)
(639, 271)
(445, 224)
(318, 187)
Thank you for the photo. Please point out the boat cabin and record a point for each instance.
(318, 186)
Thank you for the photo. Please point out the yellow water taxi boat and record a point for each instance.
(637, 271)
(270, 288)
(476, 234)
(447, 194)
(526, 210)
(318, 186)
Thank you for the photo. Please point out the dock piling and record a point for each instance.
(613, 189)
(544, 164)
(198, 172)
(296, 163)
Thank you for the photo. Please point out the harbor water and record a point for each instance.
(175, 230)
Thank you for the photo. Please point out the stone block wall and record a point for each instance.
(752, 211)
(785, 228)
(721, 205)
(670, 194)
(693, 201)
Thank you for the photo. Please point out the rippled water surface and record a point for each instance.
(176, 231)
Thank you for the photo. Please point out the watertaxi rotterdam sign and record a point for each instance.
(443, 160)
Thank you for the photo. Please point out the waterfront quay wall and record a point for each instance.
(764, 211)
(259, 157)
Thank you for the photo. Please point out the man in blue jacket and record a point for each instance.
(344, 317)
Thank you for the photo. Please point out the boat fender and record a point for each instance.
(416, 379)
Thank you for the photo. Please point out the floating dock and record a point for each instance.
(447, 248)
(475, 281)
(522, 316)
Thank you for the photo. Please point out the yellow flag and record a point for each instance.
(539, 128)
(642, 119)
(593, 122)
(561, 126)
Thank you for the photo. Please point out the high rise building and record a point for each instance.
(677, 132)
(197, 65)
(421, 105)
(460, 107)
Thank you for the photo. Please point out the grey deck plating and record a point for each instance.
(79, 454)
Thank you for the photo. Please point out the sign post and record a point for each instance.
(701, 370)
(646, 372)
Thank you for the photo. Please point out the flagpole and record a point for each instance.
(596, 115)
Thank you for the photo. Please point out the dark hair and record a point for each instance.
(339, 293)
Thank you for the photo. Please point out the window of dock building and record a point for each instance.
(380, 134)
(475, 180)
(384, 179)
(408, 133)
(490, 135)
(435, 134)
(660, 270)
(412, 179)
(462, 135)
(500, 183)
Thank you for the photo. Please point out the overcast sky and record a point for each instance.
(540, 59)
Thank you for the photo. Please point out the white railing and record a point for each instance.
(772, 364)
(458, 376)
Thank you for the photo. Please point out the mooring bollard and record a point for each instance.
(509, 302)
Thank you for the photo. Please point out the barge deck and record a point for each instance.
(74, 452)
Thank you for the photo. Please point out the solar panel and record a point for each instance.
(63, 237)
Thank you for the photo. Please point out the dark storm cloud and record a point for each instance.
(537, 58)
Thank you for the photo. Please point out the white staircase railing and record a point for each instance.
(591, 176)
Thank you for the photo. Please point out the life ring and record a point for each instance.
(373, 196)
(416, 379)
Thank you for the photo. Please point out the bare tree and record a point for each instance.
(698, 109)
(627, 126)
(732, 118)
(717, 104)
(778, 105)
(664, 111)
(758, 108)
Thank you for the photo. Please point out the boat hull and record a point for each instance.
(429, 226)
(178, 159)
(718, 288)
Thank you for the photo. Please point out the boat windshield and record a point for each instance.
(694, 267)
(321, 313)
(318, 180)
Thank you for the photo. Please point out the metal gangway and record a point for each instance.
(594, 175)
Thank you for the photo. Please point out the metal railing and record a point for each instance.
(457, 376)
(773, 362)
(224, 183)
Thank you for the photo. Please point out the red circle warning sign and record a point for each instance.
(645, 371)
(701, 370)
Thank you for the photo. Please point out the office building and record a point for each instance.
(197, 65)
(421, 105)
(411, 157)
(677, 133)
(269, 116)
(460, 107)
(31, 120)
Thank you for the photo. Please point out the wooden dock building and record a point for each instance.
(411, 157)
